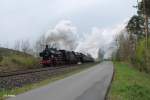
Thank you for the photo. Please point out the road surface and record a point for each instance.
(90, 84)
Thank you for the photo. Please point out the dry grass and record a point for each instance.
(11, 60)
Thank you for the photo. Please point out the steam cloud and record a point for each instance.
(65, 35)
(100, 39)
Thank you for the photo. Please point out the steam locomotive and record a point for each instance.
(52, 56)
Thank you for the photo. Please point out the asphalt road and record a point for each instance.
(90, 84)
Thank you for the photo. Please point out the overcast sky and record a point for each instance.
(28, 19)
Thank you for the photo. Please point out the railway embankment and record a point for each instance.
(11, 60)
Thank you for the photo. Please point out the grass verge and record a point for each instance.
(129, 84)
(53, 78)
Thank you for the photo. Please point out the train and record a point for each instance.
(53, 56)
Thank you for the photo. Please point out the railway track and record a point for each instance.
(15, 73)
(21, 72)
(21, 78)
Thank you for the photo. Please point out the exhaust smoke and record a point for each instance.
(64, 36)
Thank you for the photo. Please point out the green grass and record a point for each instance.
(65, 73)
(129, 84)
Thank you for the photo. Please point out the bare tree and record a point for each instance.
(25, 46)
(17, 45)
(125, 50)
(40, 44)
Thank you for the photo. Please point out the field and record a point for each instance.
(129, 83)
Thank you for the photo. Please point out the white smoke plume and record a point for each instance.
(65, 35)
(103, 39)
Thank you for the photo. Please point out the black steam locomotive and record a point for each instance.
(52, 56)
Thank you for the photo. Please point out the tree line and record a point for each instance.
(134, 45)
